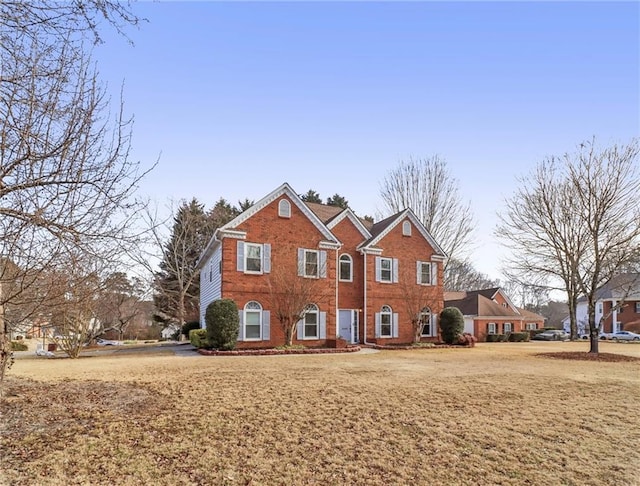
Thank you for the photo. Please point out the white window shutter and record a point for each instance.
(322, 271)
(301, 262)
(395, 325)
(418, 273)
(377, 328)
(300, 330)
(266, 325)
(322, 323)
(240, 247)
(378, 269)
(395, 270)
(434, 324)
(266, 257)
(434, 273)
(241, 328)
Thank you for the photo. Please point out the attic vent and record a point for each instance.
(406, 228)
(284, 209)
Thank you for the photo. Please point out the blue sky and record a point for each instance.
(236, 98)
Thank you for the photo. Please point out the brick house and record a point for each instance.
(368, 280)
(617, 306)
(490, 311)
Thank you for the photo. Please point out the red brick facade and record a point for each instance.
(331, 233)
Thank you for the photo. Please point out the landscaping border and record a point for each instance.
(275, 352)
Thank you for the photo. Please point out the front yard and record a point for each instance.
(493, 414)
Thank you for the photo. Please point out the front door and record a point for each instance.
(348, 325)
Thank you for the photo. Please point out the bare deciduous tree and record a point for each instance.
(415, 298)
(65, 176)
(576, 219)
(462, 276)
(290, 295)
(429, 189)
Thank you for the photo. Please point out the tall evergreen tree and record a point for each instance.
(177, 287)
(337, 200)
(311, 196)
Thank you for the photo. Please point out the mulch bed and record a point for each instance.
(272, 352)
(582, 356)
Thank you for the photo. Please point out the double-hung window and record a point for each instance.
(252, 321)
(386, 270)
(253, 258)
(425, 322)
(311, 321)
(386, 323)
(312, 263)
(507, 328)
(491, 328)
(424, 273)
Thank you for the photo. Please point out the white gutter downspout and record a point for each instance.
(364, 340)
(337, 295)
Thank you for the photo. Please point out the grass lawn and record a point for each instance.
(494, 414)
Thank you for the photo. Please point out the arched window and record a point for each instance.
(346, 268)
(406, 228)
(252, 321)
(310, 322)
(386, 315)
(284, 208)
(425, 322)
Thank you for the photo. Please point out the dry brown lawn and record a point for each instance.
(495, 414)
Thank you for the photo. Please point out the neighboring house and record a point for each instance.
(170, 331)
(364, 274)
(617, 305)
(490, 311)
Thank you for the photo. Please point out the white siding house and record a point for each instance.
(210, 281)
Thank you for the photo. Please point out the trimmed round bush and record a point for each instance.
(223, 324)
(451, 324)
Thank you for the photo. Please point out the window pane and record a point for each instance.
(311, 325)
(345, 270)
(425, 273)
(311, 264)
(385, 270)
(254, 258)
(252, 325)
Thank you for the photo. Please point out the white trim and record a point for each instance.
(327, 245)
(390, 314)
(420, 272)
(390, 260)
(247, 245)
(284, 208)
(407, 213)
(315, 311)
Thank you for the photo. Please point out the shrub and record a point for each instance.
(222, 324)
(497, 338)
(467, 339)
(188, 326)
(451, 324)
(198, 338)
(18, 346)
(518, 337)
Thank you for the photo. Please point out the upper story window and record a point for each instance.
(254, 258)
(386, 270)
(312, 263)
(406, 228)
(424, 273)
(346, 268)
(252, 321)
(284, 208)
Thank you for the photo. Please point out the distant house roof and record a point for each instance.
(481, 303)
(623, 286)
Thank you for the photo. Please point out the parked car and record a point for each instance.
(107, 342)
(624, 336)
(551, 335)
(587, 336)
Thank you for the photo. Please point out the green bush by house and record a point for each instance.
(451, 324)
(198, 338)
(223, 324)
